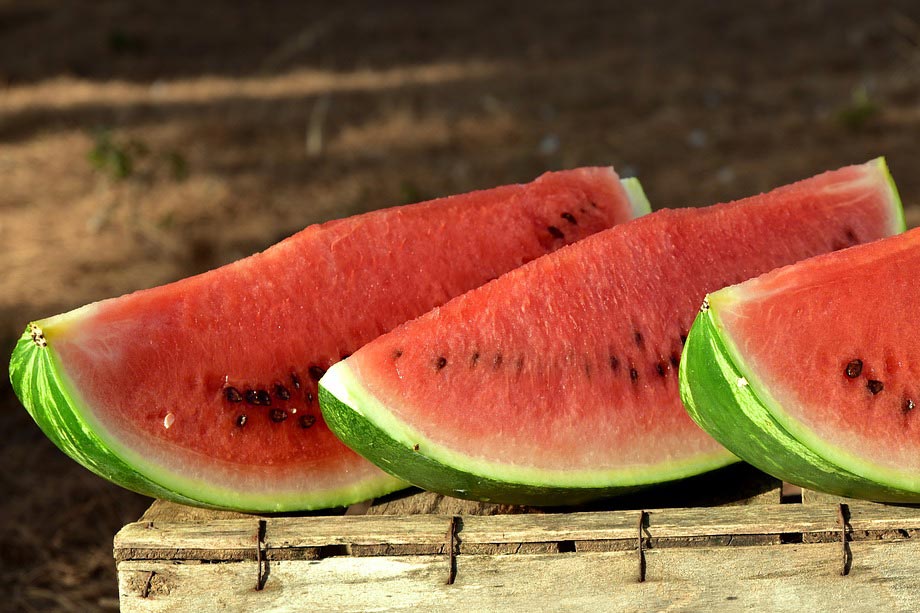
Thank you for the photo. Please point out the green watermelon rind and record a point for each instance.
(55, 407)
(637, 199)
(748, 420)
(44, 395)
(897, 206)
(360, 420)
(728, 401)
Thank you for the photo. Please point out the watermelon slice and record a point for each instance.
(810, 372)
(204, 391)
(557, 383)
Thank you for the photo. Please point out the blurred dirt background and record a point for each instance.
(141, 142)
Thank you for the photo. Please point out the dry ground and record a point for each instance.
(144, 141)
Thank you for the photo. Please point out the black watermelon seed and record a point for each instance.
(875, 386)
(277, 415)
(397, 354)
(306, 421)
(440, 363)
(474, 359)
(282, 392)
(637, 336)
(675, 360)
(345, 356)
(909, 405)
(614, 363)
(683, 339)
(251, 396)
(853, 369)
(555, 232)
(309, 397)
(497, 360)
(241, 420)
(316, 372)
(662, 368)
(295, 381)
(634, 374)
(850, 236)
(415, 447)
(263, 398)
(569, 218)
(233, 395)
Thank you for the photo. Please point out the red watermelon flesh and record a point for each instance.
(558, 381)
(204, 390)
(830, 352)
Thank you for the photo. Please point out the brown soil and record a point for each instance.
(219, 130)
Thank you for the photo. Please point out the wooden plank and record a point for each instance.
(237, 538)
(164, 511)
(661, 523)
(231, 534)
(816, 497)
(418, 502)
(780, 577)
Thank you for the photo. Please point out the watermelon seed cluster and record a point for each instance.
(854, 369)
(666, 363)
(262, 397)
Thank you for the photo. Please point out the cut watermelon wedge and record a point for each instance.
(557, 383)
(204, 391)
(810, 372)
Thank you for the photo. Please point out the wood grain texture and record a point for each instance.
(392, 554)
(312, 537)
(779, 577)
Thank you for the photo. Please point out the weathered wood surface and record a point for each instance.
(883, 576)
(285, 537)
(392, 554)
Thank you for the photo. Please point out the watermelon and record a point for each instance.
(810, 372)
(204, 391)
(557, 383)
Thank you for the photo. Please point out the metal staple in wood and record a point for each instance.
(260, 557)
(847, 557)
(148, 583)
(640, 548)
(451, 550)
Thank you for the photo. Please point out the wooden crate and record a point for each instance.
(427, 552)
